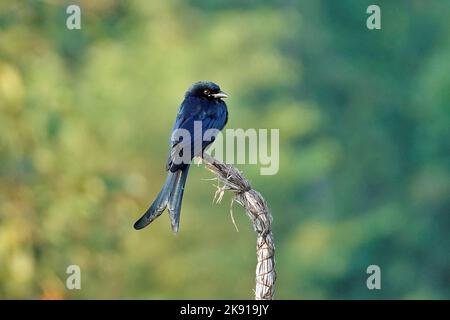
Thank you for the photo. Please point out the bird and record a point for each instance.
(203, 103)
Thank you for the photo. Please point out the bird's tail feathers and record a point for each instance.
(175, 199)
(170, 196)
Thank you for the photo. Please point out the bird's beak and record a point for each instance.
(220, 95)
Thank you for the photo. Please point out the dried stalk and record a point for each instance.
(256, 208)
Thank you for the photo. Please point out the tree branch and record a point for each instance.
(257, 210)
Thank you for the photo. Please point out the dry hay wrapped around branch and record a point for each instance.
(257, 210)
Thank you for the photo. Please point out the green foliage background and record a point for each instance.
(364, 126)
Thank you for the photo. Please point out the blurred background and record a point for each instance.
(364, 117)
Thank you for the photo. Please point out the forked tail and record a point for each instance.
(170, 197)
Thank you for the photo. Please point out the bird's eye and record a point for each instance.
(206, 92)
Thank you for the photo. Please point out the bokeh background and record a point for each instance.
(364, 117)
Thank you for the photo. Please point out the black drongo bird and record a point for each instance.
(203, 105)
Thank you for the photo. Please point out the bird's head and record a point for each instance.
(206, 90)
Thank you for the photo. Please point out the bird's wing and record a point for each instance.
(185, 120)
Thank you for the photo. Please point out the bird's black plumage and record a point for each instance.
(203, 104)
